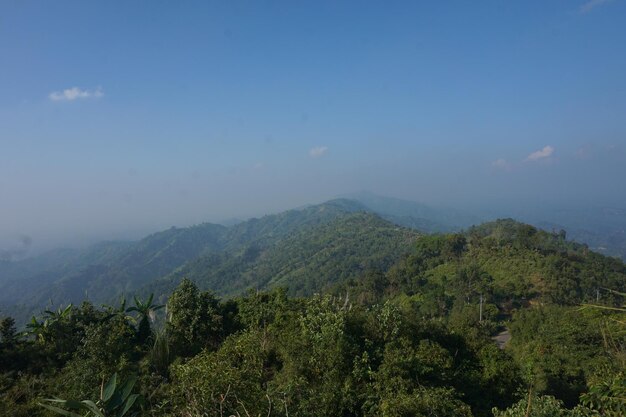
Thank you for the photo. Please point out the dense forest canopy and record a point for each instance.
(304, 246)
(347, 315)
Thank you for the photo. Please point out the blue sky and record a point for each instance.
(118, 118)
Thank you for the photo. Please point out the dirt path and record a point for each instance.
(502, 338)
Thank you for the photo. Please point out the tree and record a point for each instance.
(607, 395)
(425, 402)
(59, 314)
(8, 333)
(194, 321)
(37, 328)
(229, 381)
(120, 311)
(541, 406)
(107, 347)
(147, 312)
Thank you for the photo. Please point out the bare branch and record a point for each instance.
(269, 407)
(222, 399)
(244, 408)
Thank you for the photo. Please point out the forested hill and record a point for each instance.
(103, 271)
(312, 249)
(227, 259)
(400, 331)
(602, 228)
(311, 259)
(509, 263)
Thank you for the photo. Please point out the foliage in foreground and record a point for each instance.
(116, 400)
(410, 340)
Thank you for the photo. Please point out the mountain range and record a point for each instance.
(306, 250)
(298, 248)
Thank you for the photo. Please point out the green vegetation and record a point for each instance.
(308, 260)
(115, 400)
(226, 259)
(342, 315)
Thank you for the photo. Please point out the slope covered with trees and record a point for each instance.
(509, 263)
(103, 271)
(406, 331)
(225, 259)
(308, 260)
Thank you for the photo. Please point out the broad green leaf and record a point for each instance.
(93, 408)
(115, 401)
(129, 403)
(55, 400)
(109, 388)
(128, 387)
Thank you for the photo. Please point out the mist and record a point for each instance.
(71, 210)
(108, 136)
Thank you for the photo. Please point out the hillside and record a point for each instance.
(509, 263)
(104, 270)
(312, 249)
(309, 260)
(27, 278)
(602, 228)
(227, 259)
(397, 310)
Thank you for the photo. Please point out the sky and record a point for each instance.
(120, 118)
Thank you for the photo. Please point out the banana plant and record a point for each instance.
(41, 329)
(118, 311)
(60, 314)
(147, 312)
(37, 328)
(115, 400)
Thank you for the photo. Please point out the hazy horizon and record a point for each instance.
(20, 246)
(121, 120)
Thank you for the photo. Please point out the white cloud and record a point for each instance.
(501, 164)
(546, 152)
(75, 93)
(318, 151)
(592, 4)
